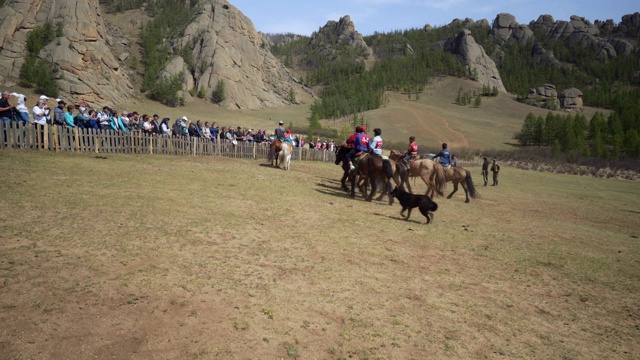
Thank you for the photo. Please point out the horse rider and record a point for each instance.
(287, 137)
(361, 145)
(444, 156)
(376, 144)
(280, 131)
(412, 152)
(351, 140)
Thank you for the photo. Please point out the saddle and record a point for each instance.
(359, 156)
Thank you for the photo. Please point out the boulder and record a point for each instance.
(506, 27)
(571, 100)
(124, 56)
(543, 56)
(344, 33)
(479, 65)
(545, 96)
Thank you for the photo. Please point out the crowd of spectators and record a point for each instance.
(83, 116)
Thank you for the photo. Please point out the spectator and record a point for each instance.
(165, 127)
(40, 112)
(47, 116)
(105, 118)
(454, 160)
(199, 127)
(82, 119)
(240, 134)
(147, 127)
(21, 108)
(155, 124)
(193, 130)
(134, 121)
(214, 131)
(177, 128)
(495, 169)
(68, 117)
(58, 113)
(231, 134)
(94, 122)
(485, 171)
(185, 126)
(124, 121)
(6, 109)
(206, 132)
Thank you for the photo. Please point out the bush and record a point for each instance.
(219, 95)
(201, 92)
(166, 90)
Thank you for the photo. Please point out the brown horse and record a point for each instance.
(425, 169)
(274, 151)
(374, 169)
(458, 175)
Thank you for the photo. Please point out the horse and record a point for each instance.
(285, 155)
(274, 150)
(425, 169)
(458, 175)
(341, 153)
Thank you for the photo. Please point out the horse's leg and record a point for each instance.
(352, 178)
(428, 183)
(466, 190)
(383, 191)
(373, 188)
(343, 181)
(455, 188)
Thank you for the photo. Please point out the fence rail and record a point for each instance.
(59, 138)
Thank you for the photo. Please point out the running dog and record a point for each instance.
(410, 201)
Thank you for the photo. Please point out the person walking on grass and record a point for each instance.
(485, 171)
(495, 169)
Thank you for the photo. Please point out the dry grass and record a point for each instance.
(163, 257)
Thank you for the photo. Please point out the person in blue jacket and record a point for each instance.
(361, 145)
(444, 156)
(68, 117)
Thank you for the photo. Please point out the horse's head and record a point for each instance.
(341, 152)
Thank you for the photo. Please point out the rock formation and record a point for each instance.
(229, 49)
(344, 32)
(571, 100)
(88, 69)
(479, 65)
(545, 96)
(506, 27)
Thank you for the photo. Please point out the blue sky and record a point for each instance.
(304, 17)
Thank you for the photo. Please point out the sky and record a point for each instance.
(369, 16)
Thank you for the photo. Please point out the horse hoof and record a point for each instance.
(352, 196)
(466, 201)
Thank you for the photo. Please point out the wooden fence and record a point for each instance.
(58, 138)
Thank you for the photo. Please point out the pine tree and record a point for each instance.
(219, 95)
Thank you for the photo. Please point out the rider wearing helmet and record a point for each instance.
(361, 145)
(287, 137)
(412, 152)
(444, 156)
(351, 140)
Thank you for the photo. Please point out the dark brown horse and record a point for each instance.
(274, 151)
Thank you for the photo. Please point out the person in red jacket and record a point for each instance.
(412, 152)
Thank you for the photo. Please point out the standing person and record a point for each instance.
(444, 156)
(58, 113)
(165, 127)
(21, 107)
(177, 128)
(361, 145)
(40, 112)
(454, 160)
(280, 131)
(82, 119)
(495, 169)
(485, 171)
(376, 144)
(69, 118)
(412, 152)
(155, 123)
(6, 109)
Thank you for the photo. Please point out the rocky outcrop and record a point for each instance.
(345, 34)
(545, 96)
(479, 65)
(229, 49)
(571, 100)
(88, 69)
(544, 56)
(506, 27)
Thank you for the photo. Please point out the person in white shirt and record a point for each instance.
(376, 144)
(40, 113)
(165, 128)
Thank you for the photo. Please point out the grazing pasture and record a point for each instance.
(161, 257)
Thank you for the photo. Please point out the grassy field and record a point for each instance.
(149, 257)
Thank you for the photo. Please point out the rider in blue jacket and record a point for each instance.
(361, 145)
(444, 156)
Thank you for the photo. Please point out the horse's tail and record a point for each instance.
(388, 170)
(472, 189)
(441, 181)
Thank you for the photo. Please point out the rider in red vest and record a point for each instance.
(361, 145)
(351, 141)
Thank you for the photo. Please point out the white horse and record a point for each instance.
(284, 157)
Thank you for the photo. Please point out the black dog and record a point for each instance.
(410, 201)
